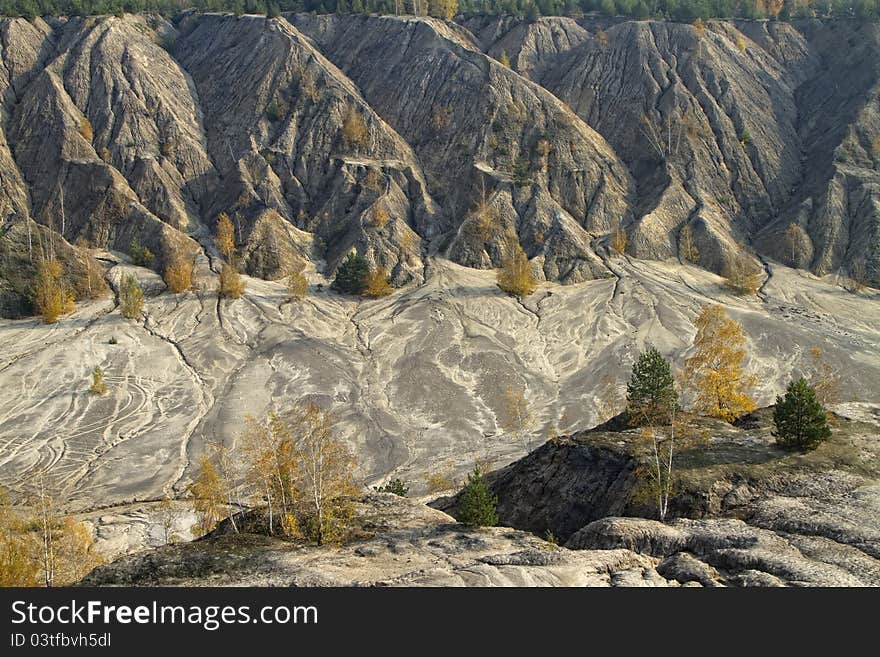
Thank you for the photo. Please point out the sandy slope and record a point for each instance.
(415, 379)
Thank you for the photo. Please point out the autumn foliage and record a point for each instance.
(231, 286)
(42, 546)
(179, 274)
(715, 371)
(131, 297)
(225, 239)
(378, 283)
(294, 465)
(515, 276)
(50, 293)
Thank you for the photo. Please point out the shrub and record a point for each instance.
(131, 297)
(88, 284)
(395, 486)
(521, 171)
(179, 274)
(225, 239)
(801, 421)
(478, 506)
(274, 111)
(378, 283)
(437, 482)
(85, 129)
(619, 240)
(515, 276)
(297, 284)
(743, 277)
(231, 286)
(380, 216)
(98, 386)
(50, 294)
(352, 275)
(113, 340)
(140, 255)
(354, 129)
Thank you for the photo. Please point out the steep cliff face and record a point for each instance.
(290, 133)
(89, 130)
(738, 130)
(481, 130)
(404, 138)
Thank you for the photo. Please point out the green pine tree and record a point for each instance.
(801, 422)
(478, 507)
(352, 275)
(650, 394)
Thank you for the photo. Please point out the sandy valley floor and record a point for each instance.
(415, 379)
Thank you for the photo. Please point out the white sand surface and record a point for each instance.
(415, 379)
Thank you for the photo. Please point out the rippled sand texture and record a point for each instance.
(416, 379)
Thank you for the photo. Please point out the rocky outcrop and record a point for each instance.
(399, 543)
(747, 513)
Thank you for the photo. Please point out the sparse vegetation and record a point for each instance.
(354, 130)
(619, 240)
(140, 255)
(521, 172)
(274, 111)
(179, 274)
(91, 285)
(131, 297)
(687, 247)
(380, 216)
(824, 379)
(437, 482)
(515, 276)
(230, 286)
(378, 283)
(483, 221)
(515, 416)
(801, 421)
(688, 10)
(857, 280)
(98, 387)
(743, 276)
(225, 239)
(394, 486)
(51, 295)
(373, 180)
(85, 129)
(42, 546)
(297, 283)
(795, 243)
